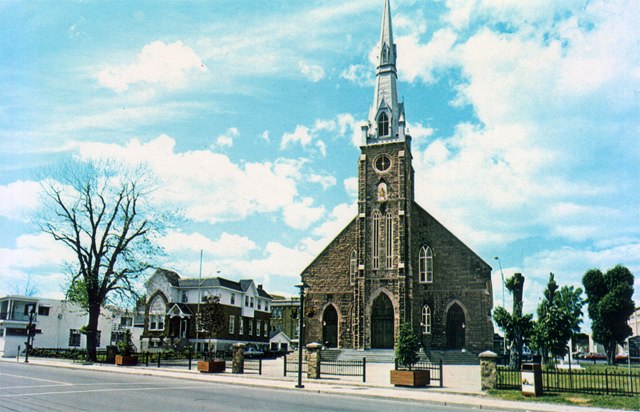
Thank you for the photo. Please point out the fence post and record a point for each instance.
(159, 359)
(606, 380)
(285, 364)
(441, 375)
(488, 370)
(364, 370)
(314, 360)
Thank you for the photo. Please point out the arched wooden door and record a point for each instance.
(330, 327)
(382, 323)
(455, 327)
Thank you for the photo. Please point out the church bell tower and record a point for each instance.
(385, 196)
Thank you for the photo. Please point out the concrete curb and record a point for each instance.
(355, 389)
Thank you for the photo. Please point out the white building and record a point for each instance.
(58, 324)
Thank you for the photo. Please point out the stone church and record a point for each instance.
(394, 262)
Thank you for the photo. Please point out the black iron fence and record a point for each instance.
(596, 382)
(435, 370)
(291, 364)
(345, 368)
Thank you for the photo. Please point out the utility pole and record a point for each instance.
(199, 299)
(504, 338)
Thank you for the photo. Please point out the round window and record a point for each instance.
(382, 163)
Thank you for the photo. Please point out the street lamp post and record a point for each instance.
(300, 334)
(504, 340)
(30, 333)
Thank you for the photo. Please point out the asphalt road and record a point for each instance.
(26, 387)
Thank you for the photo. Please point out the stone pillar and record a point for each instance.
(313, 360)
(488, 370)
(237, 365)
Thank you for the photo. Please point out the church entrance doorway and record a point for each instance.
(330, 327)
(455, 327)
(382, 323)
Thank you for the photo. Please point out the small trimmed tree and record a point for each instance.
(408, 346)
(125, 346)
(212, 317)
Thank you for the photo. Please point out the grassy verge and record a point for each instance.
(600, 401)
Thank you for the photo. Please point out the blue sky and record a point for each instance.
(524, 117)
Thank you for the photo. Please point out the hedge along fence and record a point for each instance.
(577, 381)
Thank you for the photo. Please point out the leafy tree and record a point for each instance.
(517, 327)
(559, 318)
(101, 211)
(408, 347)
(212, 317)
(610, 305)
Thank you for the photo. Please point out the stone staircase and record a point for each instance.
(449, 357)
(454, 357)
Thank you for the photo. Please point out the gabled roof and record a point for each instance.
(275, 333)
(241, 286)
(182, 308)
(420, 209)
(210, 282)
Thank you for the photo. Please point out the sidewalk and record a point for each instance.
(376, 386)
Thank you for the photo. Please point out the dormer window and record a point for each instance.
(383, 125)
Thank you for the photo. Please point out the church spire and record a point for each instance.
(386, 116)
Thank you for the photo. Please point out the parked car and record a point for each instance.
(595, 356)
(253, 353)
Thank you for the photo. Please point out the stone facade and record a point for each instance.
(394, 262)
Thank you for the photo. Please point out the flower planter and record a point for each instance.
(126, 360)
(215, 366)
(410, 378)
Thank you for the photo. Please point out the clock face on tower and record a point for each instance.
(382, 163)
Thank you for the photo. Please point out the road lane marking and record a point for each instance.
(35, 379)
(164, 388)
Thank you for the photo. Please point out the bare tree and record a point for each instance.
(26, 287)
(101, 211)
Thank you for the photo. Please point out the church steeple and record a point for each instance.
(386, 116)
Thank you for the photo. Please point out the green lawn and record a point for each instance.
(600, 401)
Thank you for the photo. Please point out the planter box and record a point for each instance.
(126, 360)
(216, 366)
(410, 378)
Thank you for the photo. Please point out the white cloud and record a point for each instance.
(301, 215)
(301, 135)
(19, 199)
(312, 72)
(37, 256)
(265, 136)
(158, 63)
(226, 139)
(534, 162)
(325, 181)
(351, 187)
(227, 245)
(359, 74)
(208, 185)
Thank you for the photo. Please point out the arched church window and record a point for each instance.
(426, 320)
(425, 265)
(157, 313)
(375, 231)
(353, 266)
(383, 125)
(388, 247)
